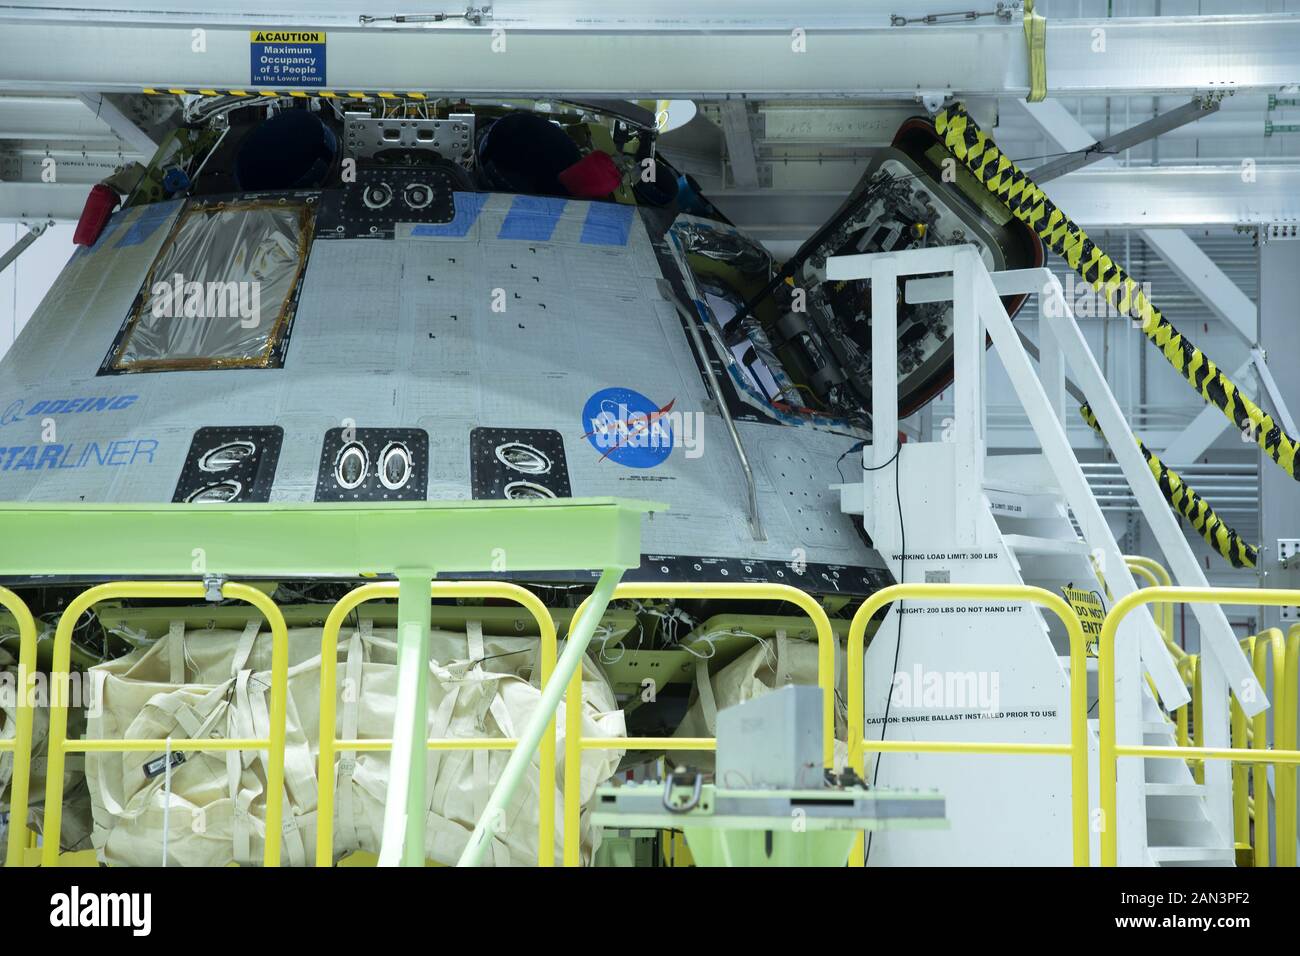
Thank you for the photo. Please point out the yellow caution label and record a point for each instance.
(286, 36)
(1091, 611)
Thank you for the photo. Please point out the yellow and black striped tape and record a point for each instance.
(1190, 505)
(301, 94)
(972, 146)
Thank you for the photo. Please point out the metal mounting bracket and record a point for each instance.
(212, 585)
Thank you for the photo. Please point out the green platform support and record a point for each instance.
(413, 541)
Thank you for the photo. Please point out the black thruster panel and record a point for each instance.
(814, 578)
(374, 441)
(383, 196)
(518, 463)
(234, 460)
(850, 580)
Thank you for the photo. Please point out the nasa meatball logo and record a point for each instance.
(628, 428)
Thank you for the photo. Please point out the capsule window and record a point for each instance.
(523, 458)
(227, 455)
(221, 292)
(525, 490)
(395, 466)
(351, 465)
(216, 493)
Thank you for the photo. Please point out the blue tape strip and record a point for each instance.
(147, 223)
(532, 218)
(607, 224)
(468, 207)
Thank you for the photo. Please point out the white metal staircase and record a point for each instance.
(1024, 508)
(1037, 530)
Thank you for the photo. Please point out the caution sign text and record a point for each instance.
(286, 58)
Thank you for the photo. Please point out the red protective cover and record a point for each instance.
(99, 206)
(591, 177)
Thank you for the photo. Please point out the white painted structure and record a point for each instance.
(970, 518)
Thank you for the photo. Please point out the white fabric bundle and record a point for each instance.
(763, 668)
(217, 683)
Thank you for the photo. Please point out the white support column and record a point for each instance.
(740, 144)
(884, 400)
(968, 393)
(884, 359)
(1051, 368)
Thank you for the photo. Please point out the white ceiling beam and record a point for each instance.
(1175, 247)
(49, 119)
(124, 126)
(1097, 199)
(695, 54)
(30, 202)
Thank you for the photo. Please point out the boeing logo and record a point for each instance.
(65, 406)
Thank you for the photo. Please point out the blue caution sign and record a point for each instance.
(287, 58)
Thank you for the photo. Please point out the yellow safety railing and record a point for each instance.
(1285, 738)
(1185, 717)
(1269, 642)
(1110, 752)
(574, 744)
(1154, 572)
(329, 744)
(60, 680)
(1076, 749)
(1254, 735)
(21, 742)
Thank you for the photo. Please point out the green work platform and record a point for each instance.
(411, 541)
(320, 539)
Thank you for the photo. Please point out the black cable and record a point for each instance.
(858, 447)
(898, 646)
